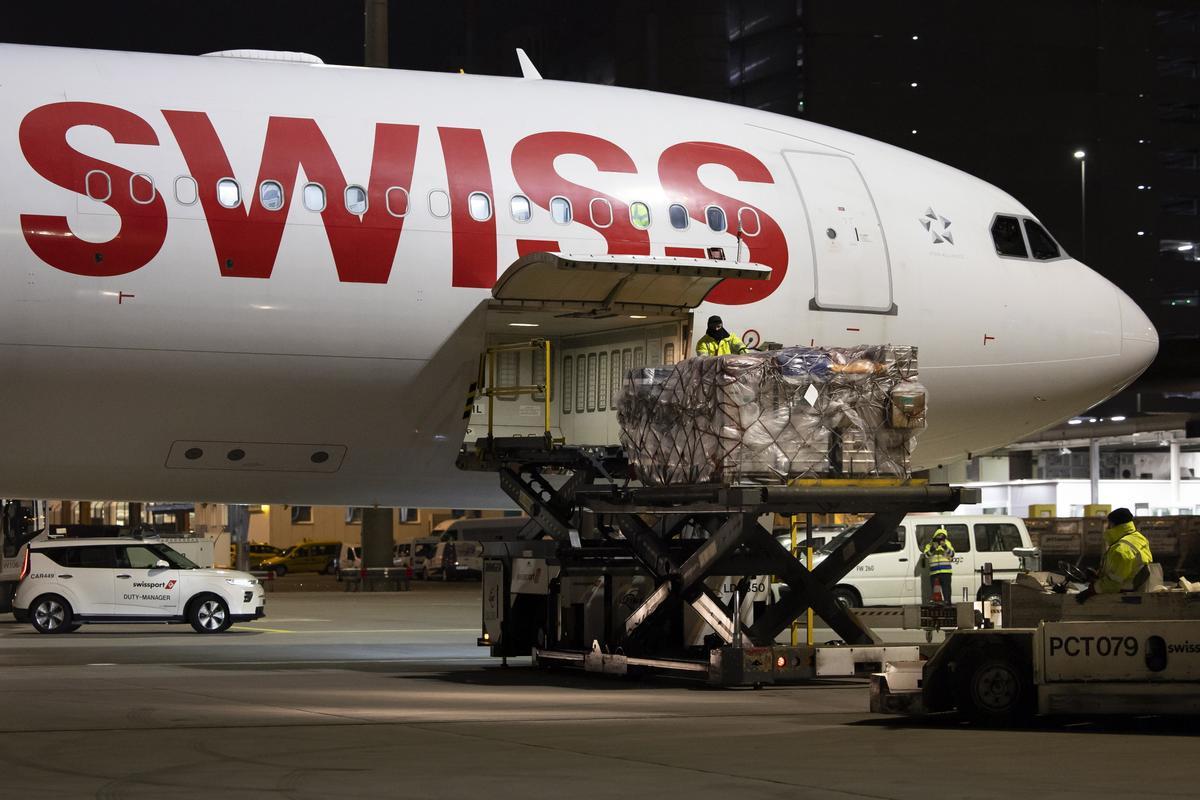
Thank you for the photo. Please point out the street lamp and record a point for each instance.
(1081, 157)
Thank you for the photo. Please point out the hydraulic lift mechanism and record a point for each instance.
(618, 579)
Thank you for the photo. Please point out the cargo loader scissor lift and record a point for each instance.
(604, 575)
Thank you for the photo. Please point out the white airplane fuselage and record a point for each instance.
(135, 317)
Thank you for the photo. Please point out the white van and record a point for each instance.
(895, 575)
(451, 560)
(422, 549)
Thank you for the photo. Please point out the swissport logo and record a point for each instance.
(170, 585)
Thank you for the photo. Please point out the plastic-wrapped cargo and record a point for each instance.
(774, 416)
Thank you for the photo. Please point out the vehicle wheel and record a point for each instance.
(209, 614)
(989, 593)
(51, 614)
(991, 686)
(280, 570)
(846, 597)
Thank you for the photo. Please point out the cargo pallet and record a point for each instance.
(558, 591)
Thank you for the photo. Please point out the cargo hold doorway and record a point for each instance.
(603, 316)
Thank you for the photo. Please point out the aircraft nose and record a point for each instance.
(1139, 339)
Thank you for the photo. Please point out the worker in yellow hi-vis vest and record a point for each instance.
(939, 560)
(1127, 555)
(718, 341)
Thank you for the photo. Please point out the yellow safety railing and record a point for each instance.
(492, 391)
(808, 562)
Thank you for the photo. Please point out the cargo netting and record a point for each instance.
(799, 412)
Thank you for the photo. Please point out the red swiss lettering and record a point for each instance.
(43, 139)
(473, 240)
(678, 169)
(247, 240)
(533, 167)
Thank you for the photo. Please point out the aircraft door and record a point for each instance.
(852, 272)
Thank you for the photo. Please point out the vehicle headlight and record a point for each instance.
(243, 582)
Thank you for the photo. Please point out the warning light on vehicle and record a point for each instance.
(25, 566)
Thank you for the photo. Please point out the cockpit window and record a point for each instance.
(1040, 243)
(1006, 233)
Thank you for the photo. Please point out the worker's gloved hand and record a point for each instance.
(1083, 596)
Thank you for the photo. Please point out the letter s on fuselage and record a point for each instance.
(190, 319)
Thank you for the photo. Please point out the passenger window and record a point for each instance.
(95, 557)
(567, 383)
(522, 209)
(716, 218)
(229, 194)
(748, 221)
(639, 357)
(270, 195)
(141, 188)
(601, 211)
(98, 185)
(480, 206)
(679, 217)
(894, 543)
(668, 354)
(959, 538)
(186, 192)
(1040, 243)
(639, 215)
(314, 197)
(997, 537)
(1006, 234)
(396, 200)
(138, 557)
(356, 200)
(560, 210)
(439, 204)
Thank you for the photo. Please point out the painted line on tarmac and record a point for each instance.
(349, 631)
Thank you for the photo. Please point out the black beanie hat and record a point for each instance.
(1120, 516)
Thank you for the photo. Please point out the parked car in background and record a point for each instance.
(305, 557)
(257, 553)
(454, 560)
(422, 549)
(352, 555)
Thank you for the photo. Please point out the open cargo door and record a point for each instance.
(602, 315)
(614, 284)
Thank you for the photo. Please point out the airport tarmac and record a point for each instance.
(356, 695)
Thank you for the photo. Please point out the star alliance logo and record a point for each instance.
(938, 227)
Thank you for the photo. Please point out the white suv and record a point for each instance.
(67, 582)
